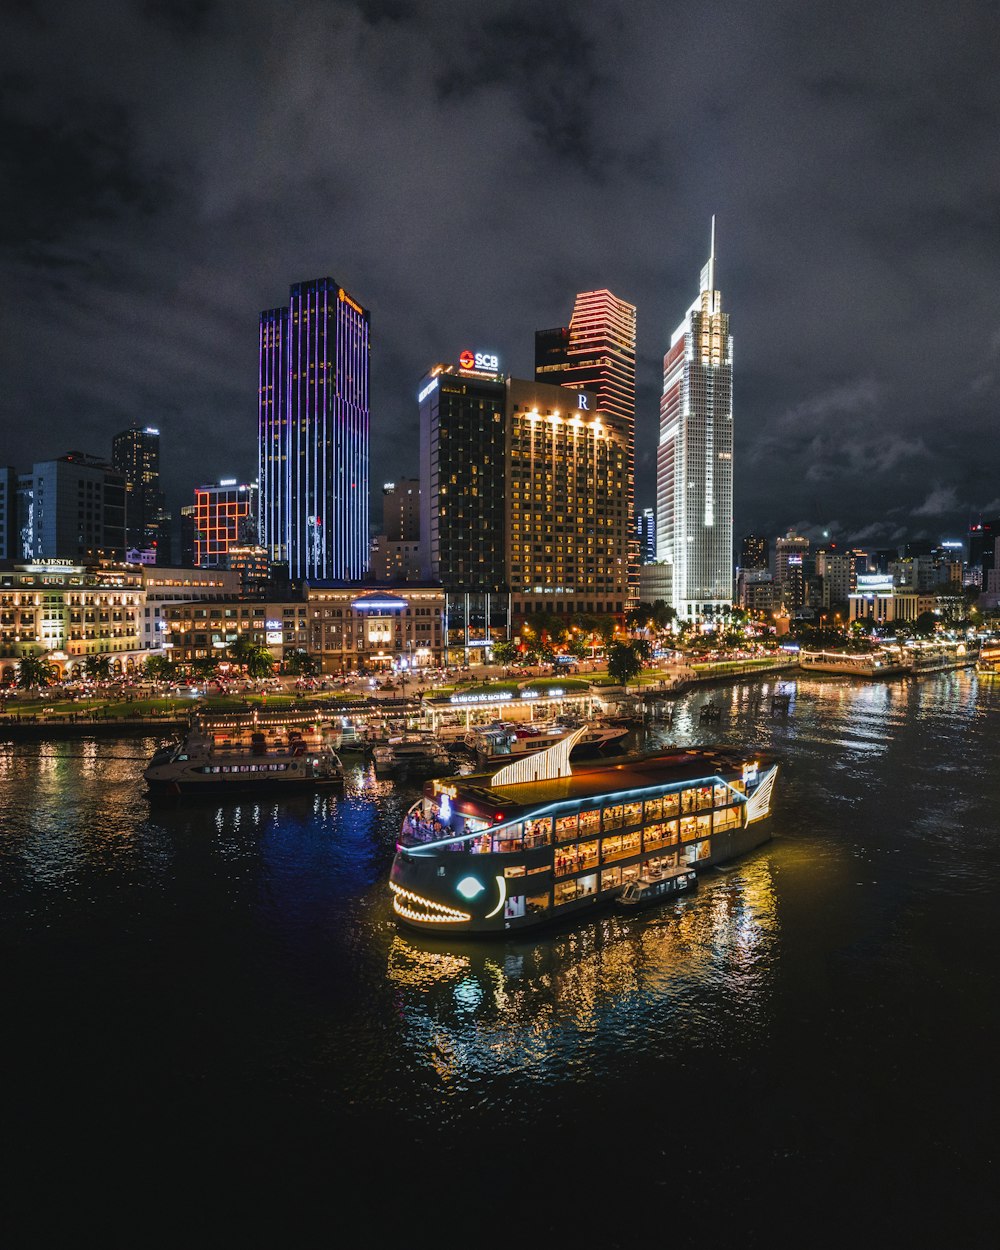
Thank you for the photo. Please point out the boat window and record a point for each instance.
(566, 828)
(689, 800)
(696, 851)
(653, 809)
(704, 826)
(663, 834)
(723, 796)
(587, 885)
(671, 805)
(537, 832)
(611, 878)
(540, 868)
(534, 904)
(588, 854)
(564, 892)
(728, 818)
(704, 797)
(515, 870)
(621, 845)
(613, 817)
(590, 822)
(632, 814)
(630, 872)
(514, 907)
(689, 828)
(509, 838)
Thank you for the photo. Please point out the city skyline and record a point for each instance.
(142, 271)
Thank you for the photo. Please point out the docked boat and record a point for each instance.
(205, 762)
(871, 665)
(645, 891)
(988, 663)
(505, 740)
(409, 750)
(542, 839)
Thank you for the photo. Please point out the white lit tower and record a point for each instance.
(694, 459)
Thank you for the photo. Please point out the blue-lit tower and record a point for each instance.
(313, 433)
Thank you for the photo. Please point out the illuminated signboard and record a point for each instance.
(429, 389)
(273, 638)
(272, 625)
(351, 303)
(486, 361)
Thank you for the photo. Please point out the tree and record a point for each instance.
(624, 662)
(97, 667)
(157, 668)
(33, 670)
(926, 623)
(300, 663)
(239, 651)
(260, 662)
(504, 653)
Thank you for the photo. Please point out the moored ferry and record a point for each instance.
(209, 763)
(988, 663)
(872, 665)
(541, 839)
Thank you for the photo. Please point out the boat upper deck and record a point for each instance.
(592, 781)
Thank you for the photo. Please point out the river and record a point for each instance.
(213, 1029)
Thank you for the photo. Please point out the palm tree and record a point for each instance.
(97, 667)
(157, 667)
(33, 670)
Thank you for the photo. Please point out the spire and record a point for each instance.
(708, 273)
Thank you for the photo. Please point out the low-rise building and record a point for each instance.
(205, 628)
(164, 586)
(370, 628)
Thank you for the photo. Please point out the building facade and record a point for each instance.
(463, 474)
(135, 454)
(645, 531)
(164, 586)
(374, 630)
(225, 516)
(568, 524)
(66, 612)
(791, 570)
(694, 461)
(72, 508)
(596, 353)
(401, 510)
(313, 433)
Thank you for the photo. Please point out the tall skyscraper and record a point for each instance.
(313, 421)
(135, 453)
(754, 552)
(694, 459)
(596, 353)
(71, 508)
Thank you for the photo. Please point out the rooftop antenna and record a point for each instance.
(708, 273)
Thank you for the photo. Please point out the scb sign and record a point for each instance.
(487, 361)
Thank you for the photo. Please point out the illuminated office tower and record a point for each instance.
(135, 453)
(313, 433)
(596, 353)
(694, 459)
(225, 516)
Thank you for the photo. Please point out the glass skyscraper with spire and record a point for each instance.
(694, 459)
(313, 430)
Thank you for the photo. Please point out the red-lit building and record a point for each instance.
(224, 516)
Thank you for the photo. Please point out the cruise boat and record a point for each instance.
(504, 740)
(873, 665)
(208, 763)
(542, 839)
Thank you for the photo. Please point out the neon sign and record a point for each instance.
(486, 361)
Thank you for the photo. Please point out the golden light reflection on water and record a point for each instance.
(478, 1008)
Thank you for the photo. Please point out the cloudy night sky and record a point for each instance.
(170, 167)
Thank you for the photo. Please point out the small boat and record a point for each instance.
(645, 891)
(511, 740)
(409, 749)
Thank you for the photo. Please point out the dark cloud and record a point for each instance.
(169, 167)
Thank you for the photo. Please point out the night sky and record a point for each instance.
(170, 167)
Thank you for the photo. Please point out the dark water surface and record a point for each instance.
(213, 1033)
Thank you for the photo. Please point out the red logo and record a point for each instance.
(467, 360)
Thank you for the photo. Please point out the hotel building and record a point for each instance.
(313, 420)
(526, 496)
(596, 353)
(72, 508)
(65, 612)
(694, 461)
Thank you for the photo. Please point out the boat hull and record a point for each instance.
(435, 880)
(215, 788)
